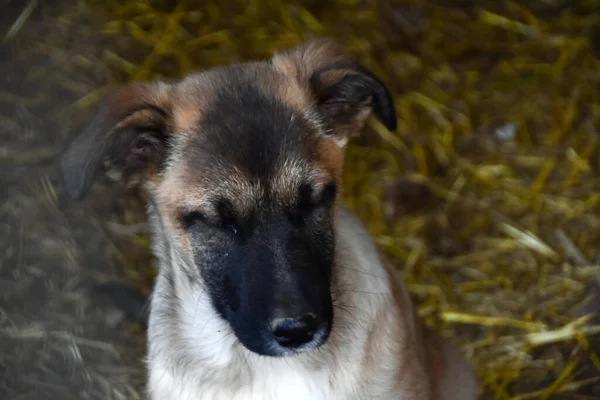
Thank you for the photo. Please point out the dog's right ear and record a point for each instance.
(128, 134)
(345, 92)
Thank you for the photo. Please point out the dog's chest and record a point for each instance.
(260, 384)
(286, 384)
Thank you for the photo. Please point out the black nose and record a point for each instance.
(290, 332)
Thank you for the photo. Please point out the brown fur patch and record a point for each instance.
(186, 114)
(192, 97)
(285, 65)
(136, 95)
(146, 117)
(445, 373)
(288, 90)
(331, 158)
(416, 358)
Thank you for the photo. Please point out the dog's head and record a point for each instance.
(244, 165)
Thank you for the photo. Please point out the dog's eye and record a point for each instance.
(190, 219)
(308, 202)
(328, 194)
(228, 217)
(231, 228)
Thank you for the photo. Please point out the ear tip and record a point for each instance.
(387, 113)
(74, 190)
(392, 123)
(74, 185)
(74, 193)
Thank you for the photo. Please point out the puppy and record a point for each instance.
(268, 287)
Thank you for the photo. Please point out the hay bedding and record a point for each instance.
(487, 197)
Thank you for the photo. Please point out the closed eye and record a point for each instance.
(328, 194)
(191, 218)
(228, 219)
(308, 202)
(230, 228)
(194, 218)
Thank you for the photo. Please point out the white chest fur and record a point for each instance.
(267, 383)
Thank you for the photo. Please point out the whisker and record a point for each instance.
(350, 314)
(363, 292)
(365, 273)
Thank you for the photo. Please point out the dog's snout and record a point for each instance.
(294, 332)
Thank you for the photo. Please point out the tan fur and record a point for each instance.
(187, 114)
(128, 97)
(288, 91)
(331, 158)
(191, 98)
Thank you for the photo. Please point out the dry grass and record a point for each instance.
(487, 197)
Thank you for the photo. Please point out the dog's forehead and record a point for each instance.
(247, 131)
(238, 83)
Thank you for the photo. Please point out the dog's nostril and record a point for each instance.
(294, 332)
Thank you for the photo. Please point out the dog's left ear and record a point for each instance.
(346, 93)
(128, 136)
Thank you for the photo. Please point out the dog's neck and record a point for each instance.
(187, 335)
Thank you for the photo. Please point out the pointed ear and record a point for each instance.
(346, 93)
(128, 135)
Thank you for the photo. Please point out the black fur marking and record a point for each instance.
(246, 128)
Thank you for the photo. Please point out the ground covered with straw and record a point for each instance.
(487, 197)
